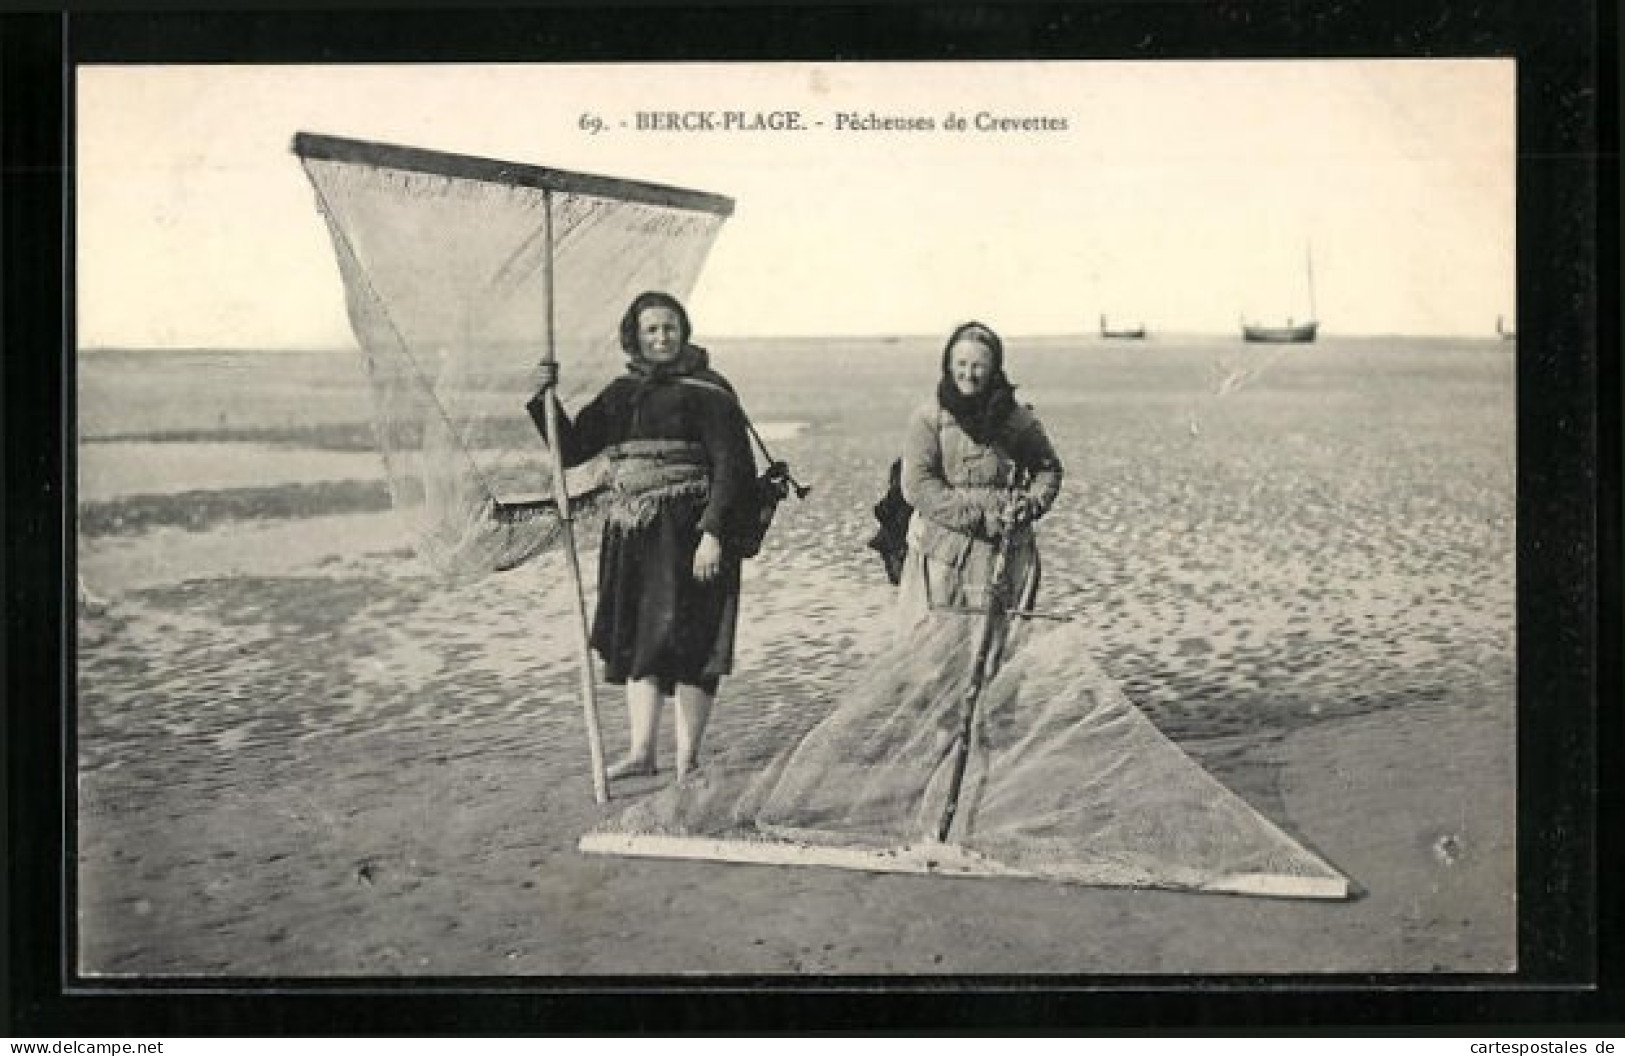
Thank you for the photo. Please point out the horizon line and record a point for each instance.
(1091, 335)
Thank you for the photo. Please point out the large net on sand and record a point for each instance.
(1066, 780)
(459, 274)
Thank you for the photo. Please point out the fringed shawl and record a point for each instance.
(648, 476)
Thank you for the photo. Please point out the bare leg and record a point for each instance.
(643, 710)
(693, 712)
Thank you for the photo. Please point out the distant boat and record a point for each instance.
(1133, 333)
(1292, 333)
(1506, 335)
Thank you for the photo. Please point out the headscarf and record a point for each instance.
(691, 358)
(983, 415)
(643, 301)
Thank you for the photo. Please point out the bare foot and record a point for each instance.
(630, 767)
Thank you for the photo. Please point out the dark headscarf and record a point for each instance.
(984, 414)
(651, 299)
(691, 359)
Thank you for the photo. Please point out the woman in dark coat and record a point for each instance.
(668, 591)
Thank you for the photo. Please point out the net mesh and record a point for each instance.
(454, 280)
(1067, 780)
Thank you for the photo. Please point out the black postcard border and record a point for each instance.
(1568, 516)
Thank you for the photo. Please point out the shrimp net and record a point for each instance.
(459, 274)
(1066, 780)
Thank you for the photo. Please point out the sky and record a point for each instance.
(1179, 195)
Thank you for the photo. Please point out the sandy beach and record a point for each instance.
(302, 754)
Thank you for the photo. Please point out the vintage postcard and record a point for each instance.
(1135, 446)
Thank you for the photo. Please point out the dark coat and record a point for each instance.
(653, 619)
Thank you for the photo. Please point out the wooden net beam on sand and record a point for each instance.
(935, 859)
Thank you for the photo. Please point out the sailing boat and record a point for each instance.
(1292, 333)
(1506, 335)
(1133, 333)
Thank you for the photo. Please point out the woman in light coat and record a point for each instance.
(975, 464)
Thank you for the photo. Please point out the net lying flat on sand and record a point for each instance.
(1067, 781)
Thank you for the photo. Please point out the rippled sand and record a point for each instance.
(300, 754)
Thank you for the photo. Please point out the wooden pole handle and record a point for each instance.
(589, 688)
(561, 495)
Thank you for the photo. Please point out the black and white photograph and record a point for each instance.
(806, 519)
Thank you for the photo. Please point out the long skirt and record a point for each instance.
(654, 619)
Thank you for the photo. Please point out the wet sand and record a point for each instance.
(301, 754)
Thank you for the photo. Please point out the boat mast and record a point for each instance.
(1309, 269)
